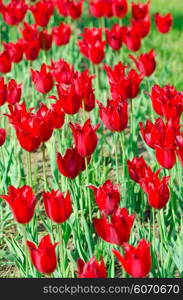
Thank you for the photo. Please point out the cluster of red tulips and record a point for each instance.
(73, 94)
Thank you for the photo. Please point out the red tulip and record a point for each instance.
(140, 10)
(57, 205)
(2, 136)
(74, 9)
(145, 63)
(156, 189)
(91, 269)
(61, 34)
(107, 197)
(71, 164)
(167, 101)
(85, 137)
(138, 169)
(118, 230)
(58, 115)
(142, 26)
(14, 12)
(43, 257)
(3, 91)
(163, 23)
(69, 99)
(14, 92)
(120, 8)
(30, 41)
(42, 79)
(114, 115)
(14, 50)
(114, 37)
(131, 38)
(62, 71)
(92, 46)
(22, 203)
(5, 62)
(101, 8)
(42, 11)
(62, 7)
(45, 40)
(137, 260)
(162, 138)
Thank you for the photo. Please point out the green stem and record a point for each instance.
(116, 155)
(29, 167)
(24, 233)
(61, 252)
(88, 192)
(44, 166)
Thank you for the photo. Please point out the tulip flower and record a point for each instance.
(163, 23)
(179, 150)
(69, 99)
(62, 7)
(42, 79)
(91, 269)
(145, 63)
(107, 197)
(140, 10)
(61, 34)
(114, 37)
(57, 205)
(58, 115)
(85, 137)
(43, 257)
(42, 11)
(71, 164)
(44, 118)
(3, 91)
(101, 8)
(118, 230)
(131, 38)
(14, 92)
(74, 9)
(156, 189)
(14, 50)
(162, 138)
(5, 62)
(45, 40)
(138, 169)
(30, 41)
(136, 260)
(120, 8)
(167, 101)
(142, 26)
(14, 12)
(2, 136)
(62, 72)
(22, 203)
(114, 115)
(92, 46)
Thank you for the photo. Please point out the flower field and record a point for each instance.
(91, 141)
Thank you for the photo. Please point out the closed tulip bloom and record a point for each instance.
(45, 40)
(140, 10)
(107, 197)
(145, 63)
(69, 99)
(5, 62)
(118, 230)
(167, 101)
(114, 37)
(98, 8)
(146, 133)
(43, 257)
(57, 205)
(22, 202)
(58, 115)
(14, 50)
(2, 136)
(42, 80)
(3, 91)
(143, 26)
(163, 23)
(44, 120)
(85, 137)
(31, 48)
(120, 8)
(14, 91)
(62, 7)
(131, 38)
(138, 169)
(74, 9)
(91, 269)
(14, 12)
(61, 34)
(42, 11)
(62, 72)
(114, 115)
(136, 260)
(156, 189)
(71, 164)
